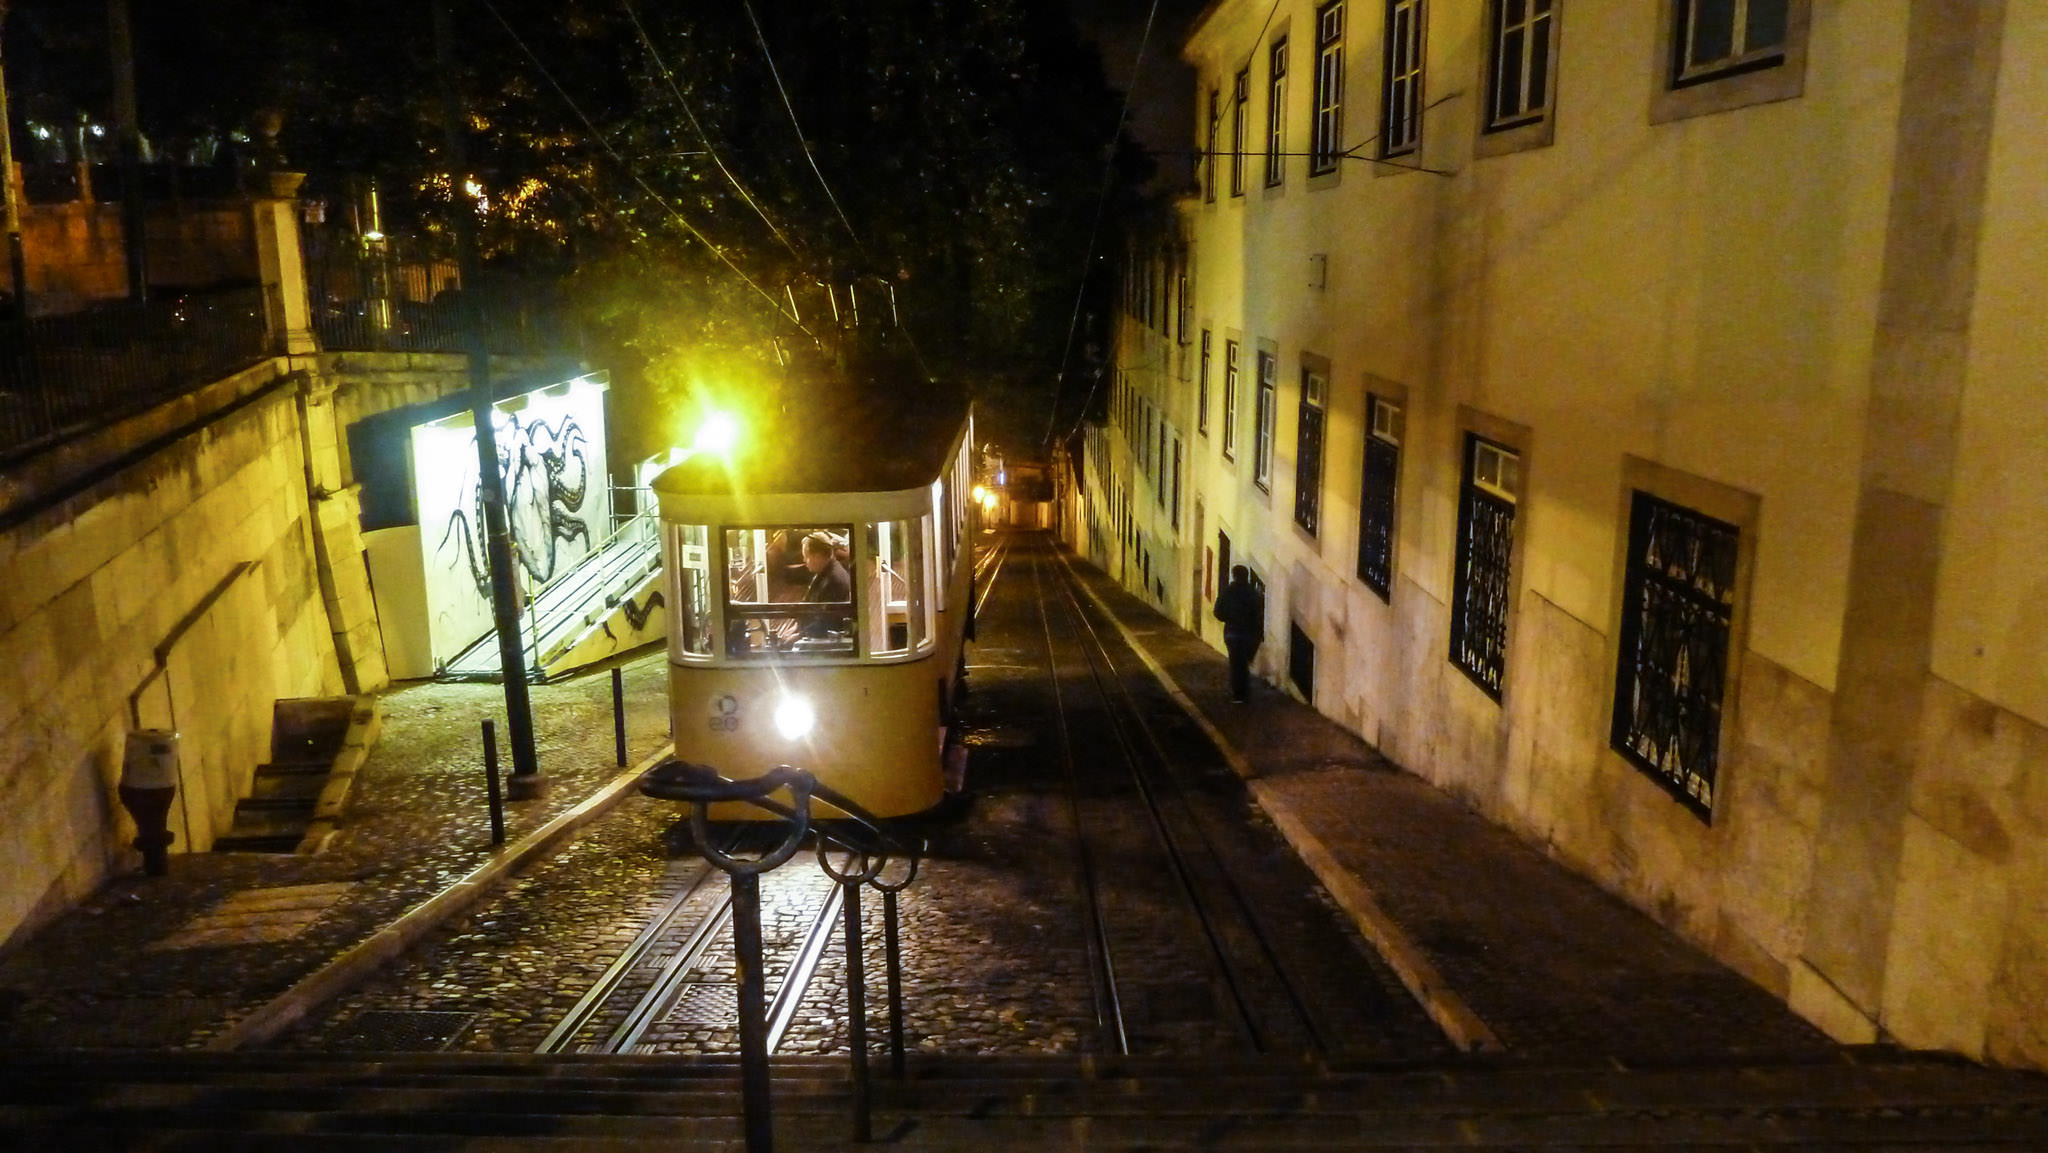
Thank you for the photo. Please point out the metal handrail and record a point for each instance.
(870, 848)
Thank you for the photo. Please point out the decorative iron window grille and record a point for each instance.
(1276, 112)
(1308, 454)
(1240, 127)
(1376, 499)
(1677, 607)
(1329, 124)
(1230, 400)
(1301, 662)
(1202, 389)
(1486, 540)
(1716, 38)
(1520, 77)
(1267, 412)
(1401, 89)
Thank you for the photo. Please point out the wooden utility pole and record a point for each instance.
(526, 781)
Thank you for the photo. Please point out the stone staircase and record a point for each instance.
(295, 799)
(1868, 1100)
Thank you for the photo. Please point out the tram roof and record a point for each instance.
(870, 439)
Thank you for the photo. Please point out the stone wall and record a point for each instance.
(167, 583)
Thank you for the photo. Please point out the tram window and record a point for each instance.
(893, 604)
(687, 550)
(789, 592)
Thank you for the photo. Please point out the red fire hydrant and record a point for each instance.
(149, 780)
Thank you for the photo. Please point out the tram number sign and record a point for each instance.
(725, 714)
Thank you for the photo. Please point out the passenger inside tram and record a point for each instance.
(787, 567)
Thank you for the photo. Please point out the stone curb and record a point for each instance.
(350, 968)
(1352, 894)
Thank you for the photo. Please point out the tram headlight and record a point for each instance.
(794, 718)
(717, 434)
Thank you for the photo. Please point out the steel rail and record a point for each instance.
(1245, 907)
(796, 981)
(661, 997)
(1109, 1011)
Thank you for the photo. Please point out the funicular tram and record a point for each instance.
(820, 575)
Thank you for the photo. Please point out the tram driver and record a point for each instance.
(829, 583)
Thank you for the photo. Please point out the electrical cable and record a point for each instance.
(688, 114)
(606, 143)
(1095, 232)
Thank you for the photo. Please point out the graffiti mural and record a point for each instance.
(552, 465)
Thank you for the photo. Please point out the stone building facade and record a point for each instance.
(1630, 408)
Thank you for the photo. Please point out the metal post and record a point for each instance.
(128, 133)
(497, 800)
(527, 782)
(895, 959)
(857, 1015)
(746, 945)
(619, 713)
(17, 264)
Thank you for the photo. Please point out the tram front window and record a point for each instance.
(789, 592)
(895, 607)
(686, 551)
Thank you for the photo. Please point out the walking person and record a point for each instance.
(1242, 609)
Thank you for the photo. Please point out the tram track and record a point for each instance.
(1264, 1001)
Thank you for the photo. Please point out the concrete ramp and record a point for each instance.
(610, 603)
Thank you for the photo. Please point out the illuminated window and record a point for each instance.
(1376, 497)
(789, 592)
(1678, 604)
(1240, 127)
(1276, 112)
(1308, 452)
(1486, 539)
(1230, 400)
(1523, 51)
(686, 554)
(1401, 87)
(1202, 389)
(1267, 412)
(1324, 153)
(893, 600)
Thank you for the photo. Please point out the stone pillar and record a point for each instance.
(281, 263)
(1918, 360)
(338, 543)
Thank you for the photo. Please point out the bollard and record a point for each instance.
(746, 955)
(497, 799)
(894, 954)
(619, 713)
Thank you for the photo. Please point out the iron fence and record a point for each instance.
(60, 374)
(511, 319)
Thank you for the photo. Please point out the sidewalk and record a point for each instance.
(1507, 949)
(230, 948)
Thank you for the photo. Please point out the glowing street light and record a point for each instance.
(717, 435)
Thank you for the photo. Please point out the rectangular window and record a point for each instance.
(1209, 146)
(1401, 89)
(1230, 400)
(1717, 38)
(1678, 602)
(686, 552)
(789, 592)
(1276, 112)
(1376, 497)
(1162, 464)
(1175, 507)
(1202, 389)
(1328, 145)
(1518, 83)
(1308, 453)
(1268, 409)
(894, 606)
(1486, 537)
(1301, 662)
(1240, 127)
(1186, 309)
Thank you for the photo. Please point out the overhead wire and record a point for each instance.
(1095, 232)
(761, 38)
(605, 141)
(690, 115)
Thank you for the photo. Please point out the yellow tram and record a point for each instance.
(821, 582)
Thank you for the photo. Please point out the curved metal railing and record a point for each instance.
(868, 849)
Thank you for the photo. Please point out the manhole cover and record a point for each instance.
(706, 1004)
(403, 1031)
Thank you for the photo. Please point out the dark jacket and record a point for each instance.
(1242, 609)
